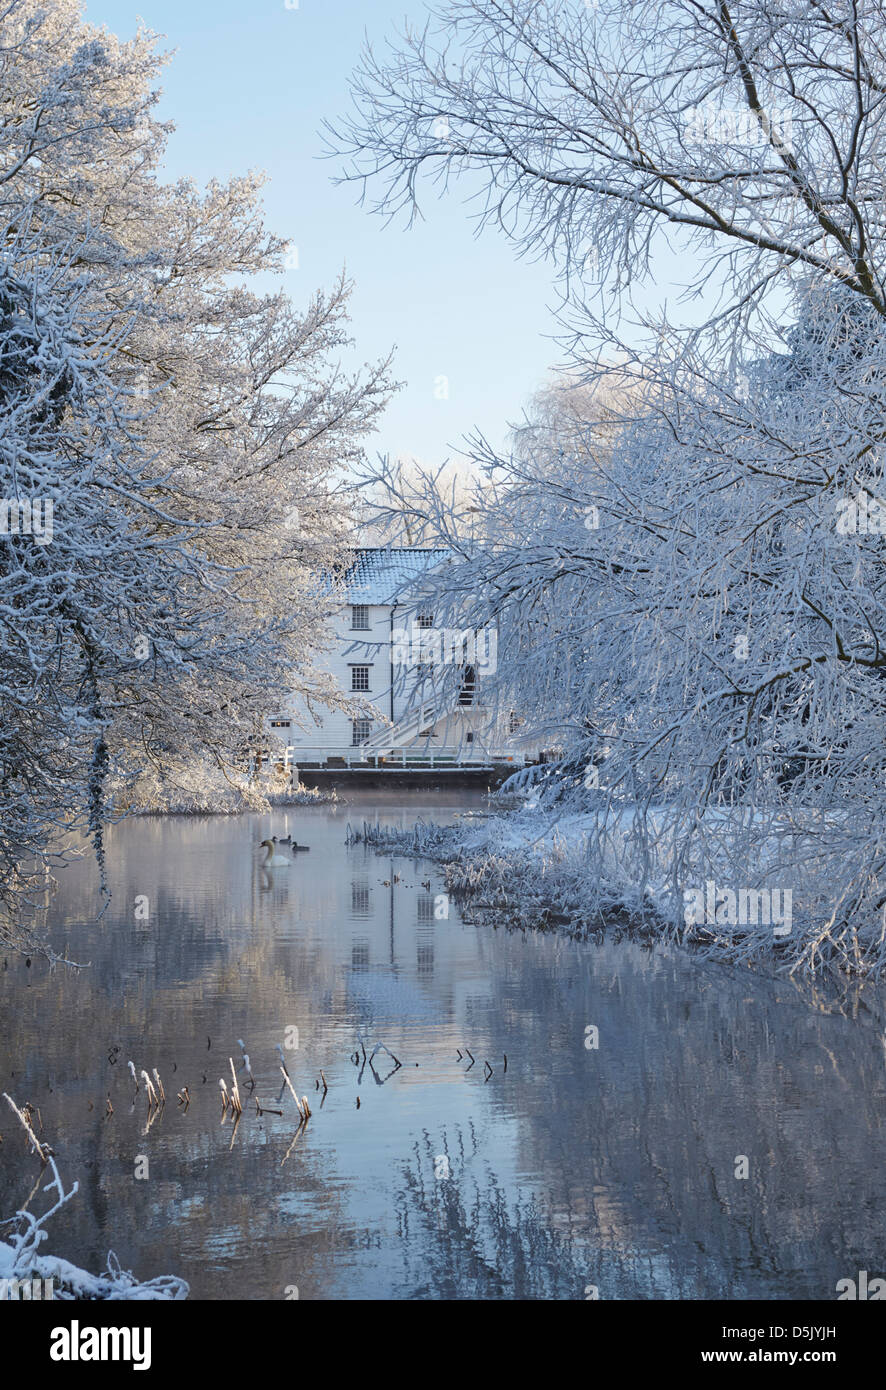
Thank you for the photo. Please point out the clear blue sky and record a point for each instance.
(249, 87)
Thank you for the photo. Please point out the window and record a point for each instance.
(430, 646)
(360, 617)
(514, 722)
(360, 899)
(360, 731)
(281, 723)
(424, 953)
(359, 677)
(468, 690)
(469, 736)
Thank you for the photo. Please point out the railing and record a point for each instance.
(409, 724)
(389, 735)
(405, 759)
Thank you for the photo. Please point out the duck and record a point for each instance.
(285, 840)
(272, 860)
(297, 848)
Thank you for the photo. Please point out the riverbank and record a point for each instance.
(179, 789)
(755, 891)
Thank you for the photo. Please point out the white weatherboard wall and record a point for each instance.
(376, 581)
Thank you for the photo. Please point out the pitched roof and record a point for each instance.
(379, 574)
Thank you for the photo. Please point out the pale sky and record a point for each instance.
(249, 87)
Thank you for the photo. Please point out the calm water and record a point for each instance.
(577, 1166)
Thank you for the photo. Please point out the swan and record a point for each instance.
(272, 860)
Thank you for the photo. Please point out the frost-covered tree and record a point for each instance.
(688, 581)
(188, 435)
(752, 130)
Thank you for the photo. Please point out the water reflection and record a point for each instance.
(579, 1167)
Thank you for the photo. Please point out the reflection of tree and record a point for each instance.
(628, 1150)
(210, 959)
(464, 1237)
(637, 1141)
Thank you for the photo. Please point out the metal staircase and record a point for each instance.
(392, 736)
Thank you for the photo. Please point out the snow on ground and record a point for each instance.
(750, 885)
(182, 788)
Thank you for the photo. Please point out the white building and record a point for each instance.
(384, 651)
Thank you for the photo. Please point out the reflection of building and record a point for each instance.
(420, 685)
(401, 951)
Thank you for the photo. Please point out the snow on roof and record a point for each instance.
(378, 574)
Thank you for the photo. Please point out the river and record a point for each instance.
(663, 1127)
